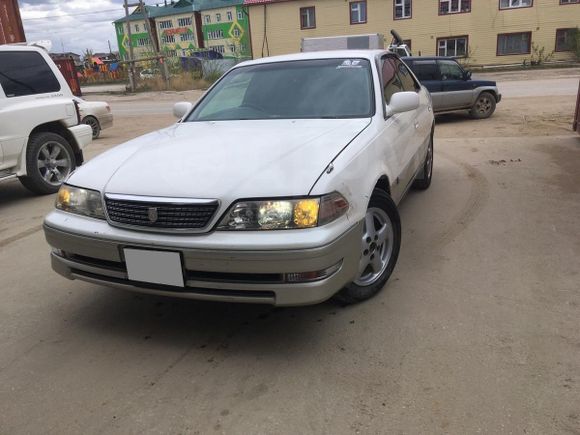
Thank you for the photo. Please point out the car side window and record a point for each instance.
(391, 81)
(26, 73)
(406, 78)
(425, 70)
(450, 70)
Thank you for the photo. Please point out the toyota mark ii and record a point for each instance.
(279, 186)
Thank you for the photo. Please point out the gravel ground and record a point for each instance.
(476, 332)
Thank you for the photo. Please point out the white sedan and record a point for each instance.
(96, 114)
(279, 186)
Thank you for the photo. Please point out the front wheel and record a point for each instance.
(484, 106)
(94, 124)
(379, 249)
(49, 161)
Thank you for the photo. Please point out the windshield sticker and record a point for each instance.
(350, 64)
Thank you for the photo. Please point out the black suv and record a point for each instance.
(452, 88)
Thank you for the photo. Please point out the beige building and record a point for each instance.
(483, 32)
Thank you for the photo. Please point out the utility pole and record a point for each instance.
(131, 57)
(160, 57)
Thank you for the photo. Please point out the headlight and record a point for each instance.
(80, 201)
(283, 214)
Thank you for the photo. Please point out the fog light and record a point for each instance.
(312, 276)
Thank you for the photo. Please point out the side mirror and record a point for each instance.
(181, 109)
(403, 102)
(467, 75)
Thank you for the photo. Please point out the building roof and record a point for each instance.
(205, 5)
(161, 10)
(261, 2)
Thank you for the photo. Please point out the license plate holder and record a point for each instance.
(155, 267)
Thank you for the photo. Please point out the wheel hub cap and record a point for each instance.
(376, 247)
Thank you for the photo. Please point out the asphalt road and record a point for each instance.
(476, 332)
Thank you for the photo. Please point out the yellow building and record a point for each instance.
(484, 32)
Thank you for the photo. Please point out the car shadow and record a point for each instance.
(448, 118)
(12, 191)
(167, 323)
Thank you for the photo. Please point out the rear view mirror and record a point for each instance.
(181, 109)
(467, 75)
(403, 102)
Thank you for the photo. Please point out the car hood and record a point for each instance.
(225, 160)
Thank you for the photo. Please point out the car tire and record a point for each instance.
(424, 180)
(484, 106)
(373, 274)
(93, 122)
(49, 161)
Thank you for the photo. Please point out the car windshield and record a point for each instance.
(322, 88)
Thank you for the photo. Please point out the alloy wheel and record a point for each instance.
(376, 248)
(54, 163)
(483, 105)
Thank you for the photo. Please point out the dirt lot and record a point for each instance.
(478, 330)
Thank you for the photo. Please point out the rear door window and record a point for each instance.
(26, 73)
(425, 70)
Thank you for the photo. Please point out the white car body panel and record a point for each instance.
(97, 109)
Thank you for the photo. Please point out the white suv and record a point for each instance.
(41, 140)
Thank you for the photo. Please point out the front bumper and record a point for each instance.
(254, 276)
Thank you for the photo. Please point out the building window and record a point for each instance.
(120, 30)
(455, 46)
(229, 16)
(142, 42)
(207, 19)
(240, 15)
(514, 4)
(402, 9)
(236, 32)
(570, 2)
(186, 37)
(168, 39)
(218, 17)
(218, 48)
(137, 28)
(358, 12)
(307, 18)
(454, 6)
(564, 39)
(514, 43)
(407, 42)
(232, 48)
(184, 22)
(167, 24)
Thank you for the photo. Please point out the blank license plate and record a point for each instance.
(157, 267)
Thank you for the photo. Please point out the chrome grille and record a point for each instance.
(160, 212)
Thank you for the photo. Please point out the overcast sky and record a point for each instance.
(74, 24)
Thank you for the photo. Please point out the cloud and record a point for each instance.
(75, 25)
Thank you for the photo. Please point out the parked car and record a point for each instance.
(41, 141)
(95, 114)
(452, 88)
(263, 193)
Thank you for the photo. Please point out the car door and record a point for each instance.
(2, 122)
(399, 137)
(457, 90)
(428, 74)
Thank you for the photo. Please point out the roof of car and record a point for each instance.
(331, 54)
(428, 58)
